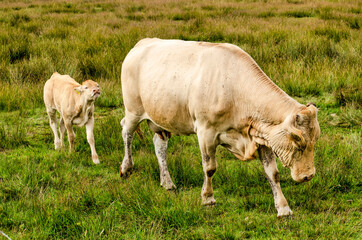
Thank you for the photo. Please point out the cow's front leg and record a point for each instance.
(160, 141)
(267, 158)
(209, 164)
(90, 138)
(53, 124)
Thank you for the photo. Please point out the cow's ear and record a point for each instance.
(78, 89)
(299, 119)
(310, 110)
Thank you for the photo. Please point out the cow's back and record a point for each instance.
(174, 83)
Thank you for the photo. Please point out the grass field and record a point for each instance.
(311, 49)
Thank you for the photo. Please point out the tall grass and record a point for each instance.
(311, 49)
(91, 40)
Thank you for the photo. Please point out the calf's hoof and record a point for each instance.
(284, 212)
(208, 201)
(57, 145)
(95, 159)
(169, 186)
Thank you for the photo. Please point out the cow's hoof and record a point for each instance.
(126, 168)
(125, 173)
(209, 201)
(284, 212)
(95, 159)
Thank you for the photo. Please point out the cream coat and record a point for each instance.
(75, 103)
(217, 91)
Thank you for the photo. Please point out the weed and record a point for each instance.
(266, 14)
(351, 116)
(353, 23)
(298, 14)
(331, 33)
(135, 8)
(12, 137)
(17, 19)
(19, 51)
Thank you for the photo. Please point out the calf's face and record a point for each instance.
(89, 90)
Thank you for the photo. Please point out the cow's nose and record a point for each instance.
(309, 177)
(96, 91)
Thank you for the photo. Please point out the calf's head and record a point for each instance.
(89, 90)
(293, 142)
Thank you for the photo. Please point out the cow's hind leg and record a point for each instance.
(267, 158)
(160, 140)
(129, 125)
(208, 148)
(53, 124)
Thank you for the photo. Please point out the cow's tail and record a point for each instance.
(140, 134)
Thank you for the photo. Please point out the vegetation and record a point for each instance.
(311, 49)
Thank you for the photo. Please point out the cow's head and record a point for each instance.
(89, 90)
(293, 142)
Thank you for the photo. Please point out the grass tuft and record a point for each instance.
(12, 137)
(331, 33)
(18, 19)
(299, 14)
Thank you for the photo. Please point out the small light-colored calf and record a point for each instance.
(75, 103)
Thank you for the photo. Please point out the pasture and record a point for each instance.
(310, 49)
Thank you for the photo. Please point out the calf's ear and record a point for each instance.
(78, 89)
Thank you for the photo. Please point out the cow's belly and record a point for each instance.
(169, 113)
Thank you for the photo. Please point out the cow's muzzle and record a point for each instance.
(303, 177)
(96, 92)
(306, 178)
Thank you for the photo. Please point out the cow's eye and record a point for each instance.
(98, 85)
(85, 87)
(302, 148)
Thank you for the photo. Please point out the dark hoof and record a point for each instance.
(126, 174)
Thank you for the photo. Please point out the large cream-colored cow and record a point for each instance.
(217, 91)
(75, 103)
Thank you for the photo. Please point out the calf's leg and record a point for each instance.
(53, 125)
(129, 125)
(208, 148)
(70, 132)
(90, 138)
(267, 158)
(62, 131)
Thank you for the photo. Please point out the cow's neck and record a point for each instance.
(266, 101)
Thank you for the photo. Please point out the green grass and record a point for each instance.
(311, 49)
